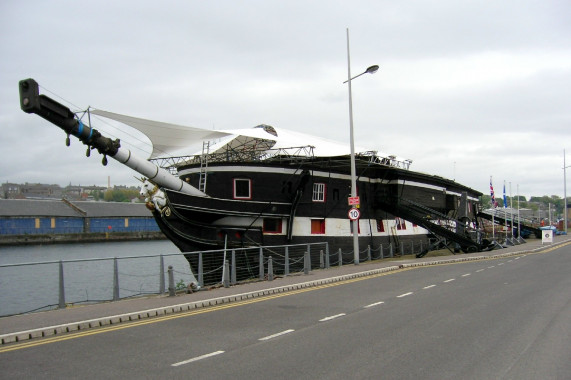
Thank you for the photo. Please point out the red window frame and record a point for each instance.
(269, 227)
(317, 226)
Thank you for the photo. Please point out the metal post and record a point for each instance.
(355, 223)
(172, 292)
(61, 287)
(261, 259)
(321, 260)
(340, 257)
(270, 269)
(327, 257)
(421, 246)
(391, 250)
(233, 270)
(381, 248)
(226, 279)
(115, 280)
(306, 263)
(402, 248)
(200, 270)
(162, 275)
(369, 252)
(286, 263)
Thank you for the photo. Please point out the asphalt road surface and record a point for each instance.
(496, 319)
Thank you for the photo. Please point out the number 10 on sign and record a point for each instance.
(354, 214)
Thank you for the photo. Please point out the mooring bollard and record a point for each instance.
(61, 287)
(172, 292)
(200, 270)
(115, 280)
(226, 274)
(270, 269)
(261, 259)
(286, 262)
(233, 269)
(162, 276)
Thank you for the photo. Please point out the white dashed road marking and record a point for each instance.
(197, 358)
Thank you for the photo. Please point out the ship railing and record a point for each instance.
(236, 155)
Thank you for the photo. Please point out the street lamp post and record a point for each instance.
(565, 191)
(355, 223)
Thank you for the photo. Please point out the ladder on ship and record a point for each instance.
(443, 226)
(203, 166)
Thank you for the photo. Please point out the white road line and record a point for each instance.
(501, 264)
(404, 295)
(197, 358)
(375, 304)
(331, 317)
(509, 261)
(452, 279)
(429, 286)
(466, 275)
(517, 258)
(480, 270)
(491, 267)
(277, 334)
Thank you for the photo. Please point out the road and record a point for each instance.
(503, 319)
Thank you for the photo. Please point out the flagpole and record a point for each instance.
(511, 212)
(493, 210)
(506, 224)
(518, 217)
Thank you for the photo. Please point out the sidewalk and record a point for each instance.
(28, 326)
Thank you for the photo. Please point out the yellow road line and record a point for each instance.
(125, 325)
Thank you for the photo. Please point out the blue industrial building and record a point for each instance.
(33, 217)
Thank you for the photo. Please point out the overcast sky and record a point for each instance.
(466, 89)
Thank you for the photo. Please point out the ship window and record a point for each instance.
(380, 225)
(401, 224)
(358, 227)
(335, 194)
(242, 188)
(272, 226)
(317, 226)
(319, 192)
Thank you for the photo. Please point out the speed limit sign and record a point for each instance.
(354, 214)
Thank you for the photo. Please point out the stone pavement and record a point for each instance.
(35, 325)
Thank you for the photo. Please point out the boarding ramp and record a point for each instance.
(446, 228)
(501, 218)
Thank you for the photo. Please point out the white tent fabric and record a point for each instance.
(170, 138)
(166, 138)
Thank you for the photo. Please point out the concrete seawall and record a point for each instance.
(31, 239)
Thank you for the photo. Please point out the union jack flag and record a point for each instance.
(494, 203)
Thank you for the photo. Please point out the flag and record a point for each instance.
(505, 198)
(494, 203)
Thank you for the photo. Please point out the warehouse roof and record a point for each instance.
(61, 208)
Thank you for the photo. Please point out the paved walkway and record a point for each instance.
(29, 326)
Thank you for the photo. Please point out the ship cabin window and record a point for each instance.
(242, 188)
(319, 192)
(351, 227)
(317, 226)
(380, 225)
(401, 224)
(335, 194)
(272, 226)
